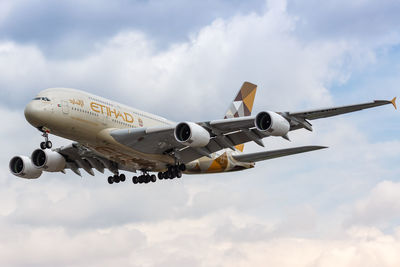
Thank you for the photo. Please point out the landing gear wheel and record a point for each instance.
(153, 178)
(122, 177)
(49, 144)
(178, 174)
(43, 145)
(135, 180)
(182, 167)
(170, 174)
(110, 180)
(116, 179)
(160, 175)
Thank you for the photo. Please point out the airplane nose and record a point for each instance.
(34, 114)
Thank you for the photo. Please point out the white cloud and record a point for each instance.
(201, 73)
(381, 207)
(282, 213)
(198, 243)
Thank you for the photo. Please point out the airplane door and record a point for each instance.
(65, 107)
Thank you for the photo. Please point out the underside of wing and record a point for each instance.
(161, 140)
(334, 111)
(265, 155)
(215, 135)
(154, 140)
(301, 119)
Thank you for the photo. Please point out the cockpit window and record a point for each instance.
(41, 98)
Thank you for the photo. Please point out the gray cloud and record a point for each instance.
(70, 28)
(366, 21)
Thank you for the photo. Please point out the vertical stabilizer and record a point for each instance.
(242, 104)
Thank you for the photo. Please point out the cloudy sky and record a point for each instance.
(185, 60)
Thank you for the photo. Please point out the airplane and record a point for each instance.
(113, 136)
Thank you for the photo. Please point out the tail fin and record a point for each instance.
(242, 104)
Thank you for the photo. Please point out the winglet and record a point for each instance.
(393, 101)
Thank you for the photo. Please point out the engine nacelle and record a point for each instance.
(47, 160)
(22, 166)
(273, 123)
(191, 134)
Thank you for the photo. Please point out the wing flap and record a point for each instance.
(265, 155)
(78, 156)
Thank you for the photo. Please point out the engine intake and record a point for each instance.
(48, 160)
(272, 122)
(191, 134)
(22, 166)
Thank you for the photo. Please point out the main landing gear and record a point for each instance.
(116, 178)
(173, 172)
(46, 143)
(145, 178)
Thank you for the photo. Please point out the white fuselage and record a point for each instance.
(88, 119)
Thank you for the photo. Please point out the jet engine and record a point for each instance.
(48, 160)
(22, 166)
(191, 134)
(271, 122)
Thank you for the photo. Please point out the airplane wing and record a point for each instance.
(224, 133)
(329, 112)
(265, 155)
(161, 140)
(299, 119)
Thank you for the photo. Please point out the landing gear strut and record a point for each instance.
(46, 143)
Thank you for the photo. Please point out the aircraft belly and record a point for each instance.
(132, 159)
(106, 146)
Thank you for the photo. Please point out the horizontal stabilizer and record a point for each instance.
(259, 156)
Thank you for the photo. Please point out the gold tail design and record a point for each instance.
(242, 105)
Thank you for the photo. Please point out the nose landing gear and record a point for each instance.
(46, 143)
